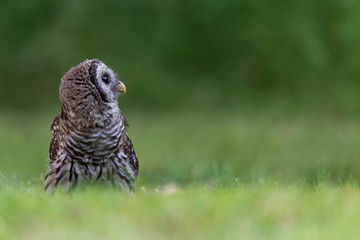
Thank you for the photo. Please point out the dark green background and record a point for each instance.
(230, 89)
(230, 53)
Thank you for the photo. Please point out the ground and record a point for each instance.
(228, 175)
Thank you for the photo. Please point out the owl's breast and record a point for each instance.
(95, 144)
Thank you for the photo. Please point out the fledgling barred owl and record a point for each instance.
(90, 141)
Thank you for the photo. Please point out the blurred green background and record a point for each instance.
(218, 91)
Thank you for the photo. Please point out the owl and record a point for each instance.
(89, 142)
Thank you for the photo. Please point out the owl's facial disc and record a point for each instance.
(106, 82)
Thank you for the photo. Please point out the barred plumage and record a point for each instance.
(90, 141)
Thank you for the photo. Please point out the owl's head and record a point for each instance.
(90, 84)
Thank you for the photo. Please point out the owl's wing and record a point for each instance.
(128, 150)
(54, 145)
(124, 121)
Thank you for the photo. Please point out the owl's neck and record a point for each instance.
(91, 117)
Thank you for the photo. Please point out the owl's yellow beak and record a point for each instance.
(122, 87)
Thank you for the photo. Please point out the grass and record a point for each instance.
(248, 212)
(202, 176)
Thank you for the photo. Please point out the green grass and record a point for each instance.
(248, 212)
(203, 175)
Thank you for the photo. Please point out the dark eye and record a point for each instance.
(105, 78)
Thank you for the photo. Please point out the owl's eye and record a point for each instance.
(105, 78)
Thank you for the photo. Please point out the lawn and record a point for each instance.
(254, 211)
(203, 175)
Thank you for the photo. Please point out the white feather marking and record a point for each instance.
(122, 155)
